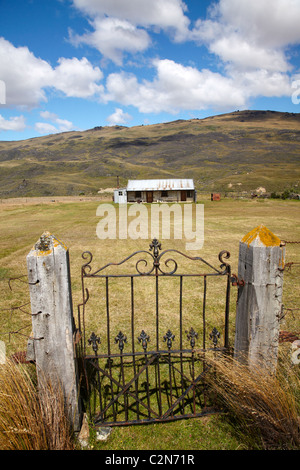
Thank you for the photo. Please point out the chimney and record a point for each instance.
(118, 184)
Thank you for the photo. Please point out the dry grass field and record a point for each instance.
(74, 221)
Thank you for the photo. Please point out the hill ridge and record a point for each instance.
(232, 151)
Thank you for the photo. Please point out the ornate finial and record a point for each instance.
(94, 340)
(224, 254)
(191, 335)
(121, 339)
(169, 337)
(214, 335)
(144, 339)
(155, 245)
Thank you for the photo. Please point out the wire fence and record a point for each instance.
(12, 318)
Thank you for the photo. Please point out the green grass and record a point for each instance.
(207, 433)
(226, 222)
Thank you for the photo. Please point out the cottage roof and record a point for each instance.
(160, 184)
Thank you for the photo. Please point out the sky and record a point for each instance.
(77, 64)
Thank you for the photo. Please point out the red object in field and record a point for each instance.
(215, 197)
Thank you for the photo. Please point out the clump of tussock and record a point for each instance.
(31, 420)
(264, 408)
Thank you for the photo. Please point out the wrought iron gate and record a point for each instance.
(146, 365)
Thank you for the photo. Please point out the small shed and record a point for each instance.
(120, 196)
(161, 190)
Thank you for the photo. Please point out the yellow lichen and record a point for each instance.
(266, 237)
(57, 241)
(46, 244)
(43, 253)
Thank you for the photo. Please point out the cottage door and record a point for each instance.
(183, 195)
(149, 196)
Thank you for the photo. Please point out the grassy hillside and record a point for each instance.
(239, 151)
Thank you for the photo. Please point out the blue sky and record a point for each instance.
(76, 64)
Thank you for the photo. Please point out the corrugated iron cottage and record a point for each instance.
(157, 190)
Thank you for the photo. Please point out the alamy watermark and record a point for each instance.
(2, 352)
(161, 221)
(296, 93)
(2, 92)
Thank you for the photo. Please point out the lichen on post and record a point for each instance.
(261, 262)
(52, 346)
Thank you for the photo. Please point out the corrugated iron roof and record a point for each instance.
(160, 185)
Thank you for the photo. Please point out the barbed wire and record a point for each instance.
(20, 308)
(288, 266)
(18, 332)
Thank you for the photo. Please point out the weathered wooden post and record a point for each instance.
(52, 346)
(261, 262)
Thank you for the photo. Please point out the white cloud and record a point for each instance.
(27, 77)
(249, 38)
(120, 27)
(244, 55)
(16, 123)
(251, 34)
(58, 125)
(48, 115)
(45, 128)
(273, 23)
(77, 78)
(262, 83)
(118, 117)
(175, 88)
(113, 36)
(168, 15)
(24, 75)
(64, 125)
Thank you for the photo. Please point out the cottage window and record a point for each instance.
(120, 193)
(138, 194)
(164, 194)
(189, 194)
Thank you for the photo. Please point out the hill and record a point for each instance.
(239, 151)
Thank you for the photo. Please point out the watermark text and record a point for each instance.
(161, 221)
(2, 92)
(2, 352)
(296, 93)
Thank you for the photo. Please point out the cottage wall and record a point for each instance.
(173, 196)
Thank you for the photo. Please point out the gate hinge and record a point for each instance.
(77, 336)
(235, 281)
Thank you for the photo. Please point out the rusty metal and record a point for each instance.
(138, 381)
(235, 281)
(288, 266)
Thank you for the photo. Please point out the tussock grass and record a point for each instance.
(264, 408)
(30, 420)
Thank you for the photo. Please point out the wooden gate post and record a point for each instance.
(261, 262)
(52, 347)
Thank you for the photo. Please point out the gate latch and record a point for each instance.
(235, 281)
